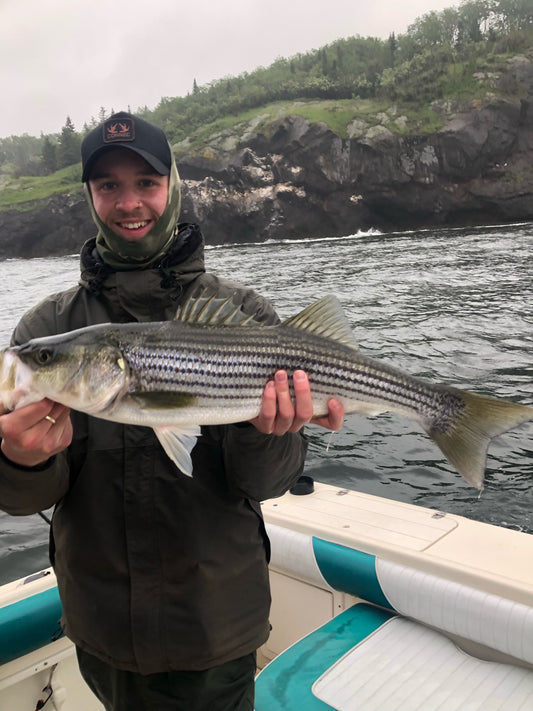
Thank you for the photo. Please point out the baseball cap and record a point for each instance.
(123, 130)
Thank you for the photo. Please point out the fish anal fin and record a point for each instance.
(325, 318)
(178, 443)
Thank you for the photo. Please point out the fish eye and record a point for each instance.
(44, 356)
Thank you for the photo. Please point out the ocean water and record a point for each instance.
(450, 305)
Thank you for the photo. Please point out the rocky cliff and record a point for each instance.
(287, 177)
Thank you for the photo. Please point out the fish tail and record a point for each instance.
(464, 442)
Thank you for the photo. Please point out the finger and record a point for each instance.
(56, 412)
(334, 420)
(24, 418)
(303, 399)
(57, 428)
(264, 422)
(59, 435)
(336, 414)
(285, 406)
(36, 445)
(38, 420)
(33, 433)
(49, 438)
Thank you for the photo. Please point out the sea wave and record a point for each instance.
(372, 232)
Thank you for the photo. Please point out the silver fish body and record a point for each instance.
(177, 375)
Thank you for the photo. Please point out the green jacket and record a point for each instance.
(156, 571)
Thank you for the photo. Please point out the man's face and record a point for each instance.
(128, 195)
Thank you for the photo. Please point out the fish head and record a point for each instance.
(76, 369)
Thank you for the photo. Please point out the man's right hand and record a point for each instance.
(34, 433)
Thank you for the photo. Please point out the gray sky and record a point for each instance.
(70, 57)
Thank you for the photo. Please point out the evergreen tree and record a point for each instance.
(49, 156)
(393, 48)
(69, 145)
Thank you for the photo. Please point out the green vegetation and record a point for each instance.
(339, 114)
(336, 114)
(18, 192)
(455, 54)
(436, 59)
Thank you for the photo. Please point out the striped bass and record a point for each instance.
(208, 367)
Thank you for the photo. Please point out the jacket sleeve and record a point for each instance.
(27, 490)
(260, 466)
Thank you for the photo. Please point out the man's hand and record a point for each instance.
(278, 414)
(34, 433)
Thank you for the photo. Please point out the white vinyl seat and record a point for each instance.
(394, 651)
(400, 665)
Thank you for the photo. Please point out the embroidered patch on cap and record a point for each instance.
(122, 129)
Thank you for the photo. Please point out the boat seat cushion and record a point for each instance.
(454, 607)
(368, 659)
(29, 623)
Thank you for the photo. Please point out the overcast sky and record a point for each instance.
(70, 57)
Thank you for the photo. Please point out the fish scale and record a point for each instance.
(203, 368)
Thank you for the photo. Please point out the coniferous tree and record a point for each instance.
(49, 156)
(69, 145)
(393, 47)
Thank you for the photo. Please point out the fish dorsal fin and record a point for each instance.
(204, 309)
(325, 318)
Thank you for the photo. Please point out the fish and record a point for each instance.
(210, 365)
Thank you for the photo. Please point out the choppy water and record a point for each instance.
(454, 306)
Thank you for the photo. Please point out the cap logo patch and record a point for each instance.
(122, 129)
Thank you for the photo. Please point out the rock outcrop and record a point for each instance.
(54, 227)
(286, 177)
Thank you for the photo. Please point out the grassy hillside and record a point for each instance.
(436, 73)
(406, 83)
(23, 192)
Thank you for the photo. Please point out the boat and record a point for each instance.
(376, 604)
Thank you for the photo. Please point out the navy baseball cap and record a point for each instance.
(123, 130)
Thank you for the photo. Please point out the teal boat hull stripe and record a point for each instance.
(286, 683)
(350, 571)
(29, 624)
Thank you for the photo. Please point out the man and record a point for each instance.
(163, 578)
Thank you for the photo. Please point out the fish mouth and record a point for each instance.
(15, 382)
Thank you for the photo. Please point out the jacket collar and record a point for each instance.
(145, 292)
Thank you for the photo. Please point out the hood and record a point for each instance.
(121, 254)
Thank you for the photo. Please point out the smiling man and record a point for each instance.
(163, 578)
(128, 196)
(133, 189)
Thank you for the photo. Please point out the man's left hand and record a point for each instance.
(280, 415)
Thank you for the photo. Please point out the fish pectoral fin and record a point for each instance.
(161, 400)
(178, 443)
